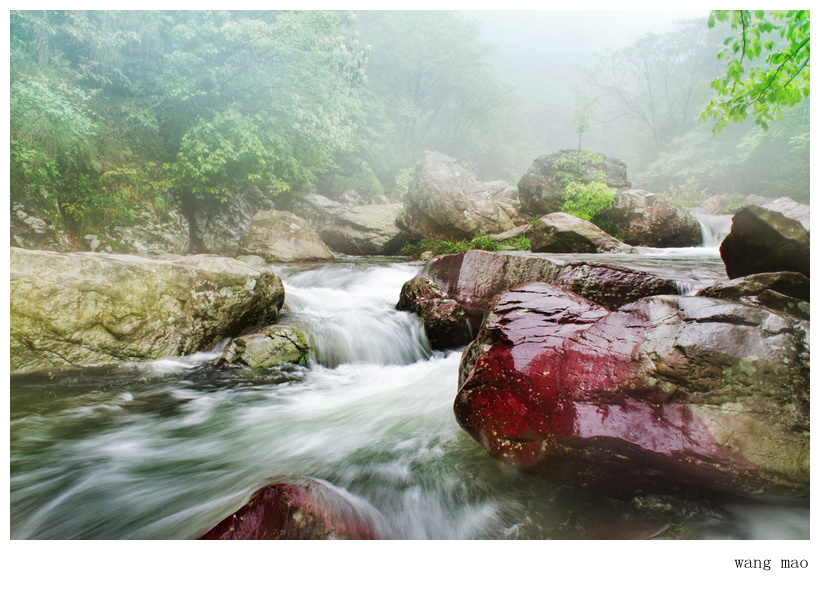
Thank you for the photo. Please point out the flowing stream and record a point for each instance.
(166, 449)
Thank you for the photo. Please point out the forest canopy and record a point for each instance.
(114, 111)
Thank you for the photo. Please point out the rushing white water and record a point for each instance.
(166, 449)
(714, 228)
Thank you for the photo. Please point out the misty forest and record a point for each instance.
(409, 275)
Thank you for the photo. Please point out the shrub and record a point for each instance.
(587, 200)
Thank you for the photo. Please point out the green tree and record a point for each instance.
(113, 107)
(582, 117)
(768, 65)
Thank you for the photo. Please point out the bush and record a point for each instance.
(587, 200)
(482, 242)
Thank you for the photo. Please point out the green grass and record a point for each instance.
(482, 242)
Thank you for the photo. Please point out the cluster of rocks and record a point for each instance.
(597, 375)
(607, 378)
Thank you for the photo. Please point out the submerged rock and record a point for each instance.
(446, 201)
(561, 232)
(85, 308)
(445, 321)
(301, 508)
(665, 394)
(763, 241)
(281, 236)
(271, 346)
(640, 218)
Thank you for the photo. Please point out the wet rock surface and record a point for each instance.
(665, 394)
(267, 347)
(475, 277)
(301, 508)
(763, 241)
(445, 321)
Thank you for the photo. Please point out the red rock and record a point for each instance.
(300, 508)
(663, 394)
(476, 277)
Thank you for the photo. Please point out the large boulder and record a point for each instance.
(86, 308)
(217, 227)
(471, 280)
(319, 211)
(301, 508)
(663, 395)
(476, 277)
(366, 230)
(267, 347)
(283, 237)
(640, 218)
(562, 232)
(445, 200)
(542, 188)
(763, 241)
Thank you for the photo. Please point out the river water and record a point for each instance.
(166, 449)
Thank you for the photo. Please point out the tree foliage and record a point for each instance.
(198, 102)
(767, 65)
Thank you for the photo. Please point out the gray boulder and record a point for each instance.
(319, 211)
(86, 308)
(445, 200)
(763, 241)
(366, 230)
(542, 188)
(640, 218)
(561, 232)
(283, 237)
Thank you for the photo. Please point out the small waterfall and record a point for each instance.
(351, 316)
(714, 228)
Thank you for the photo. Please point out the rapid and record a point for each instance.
(166, 449)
